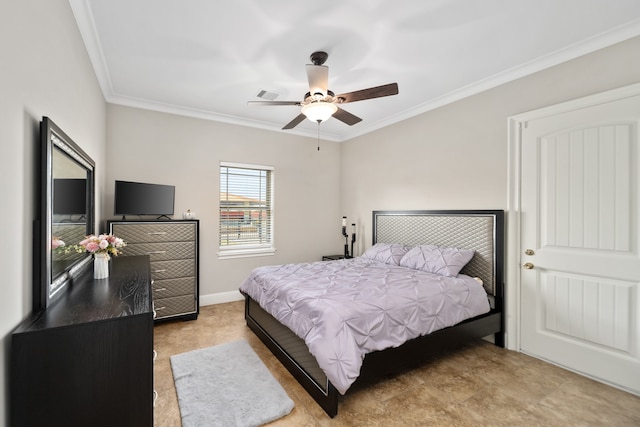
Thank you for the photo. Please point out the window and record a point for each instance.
(246, 210)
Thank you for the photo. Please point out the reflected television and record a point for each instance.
(69, 196)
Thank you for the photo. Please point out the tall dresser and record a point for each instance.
(173, 249)
(87, 360)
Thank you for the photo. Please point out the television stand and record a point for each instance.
(173, 250)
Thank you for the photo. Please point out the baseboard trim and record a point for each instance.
(220, 298)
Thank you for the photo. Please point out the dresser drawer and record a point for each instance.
(167, 307)
(174, 287)
(155, 232)
(172, 247)
(173, 269)
(162, 251)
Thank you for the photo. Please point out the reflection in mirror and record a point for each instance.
(67, 213)
(69, 219)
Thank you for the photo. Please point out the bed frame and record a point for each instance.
(481, 230)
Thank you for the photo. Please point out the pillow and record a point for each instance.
(389, 253)
(437, 259)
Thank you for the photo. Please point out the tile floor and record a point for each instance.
(478, 385)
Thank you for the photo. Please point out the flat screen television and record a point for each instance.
(69, 196)
(138, 198)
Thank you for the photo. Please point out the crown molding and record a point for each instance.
(86, 25)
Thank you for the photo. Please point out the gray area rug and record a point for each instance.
(227, 385)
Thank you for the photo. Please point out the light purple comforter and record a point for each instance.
(348, 308)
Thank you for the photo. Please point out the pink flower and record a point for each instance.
(103, 243)
(91, 246)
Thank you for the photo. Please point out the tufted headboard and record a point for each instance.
(480, 230)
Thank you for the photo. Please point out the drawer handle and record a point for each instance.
(161, 289)
(155, 355)
(160, 271)
(161, 308)
(157, 233)
(156, 252)
(155, 397)
(155, 314)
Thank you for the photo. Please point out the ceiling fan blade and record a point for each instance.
(263, 103)
(372, 92)
(295, 122)
(318, 76)
(346, 117)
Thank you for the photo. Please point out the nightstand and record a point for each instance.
(332, 257)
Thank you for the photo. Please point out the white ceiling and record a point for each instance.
(207, 58)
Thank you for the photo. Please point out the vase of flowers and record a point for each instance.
(102, 247)
(100, 265)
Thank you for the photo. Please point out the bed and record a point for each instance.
(480, 233)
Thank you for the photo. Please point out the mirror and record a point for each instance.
(67, 212)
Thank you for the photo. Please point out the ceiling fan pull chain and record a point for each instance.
(318, 135)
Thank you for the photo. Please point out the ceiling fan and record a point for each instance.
(320, 103)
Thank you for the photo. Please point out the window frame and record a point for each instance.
(247, 250)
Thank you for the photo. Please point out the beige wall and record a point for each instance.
(161, 148)
(45, 71)
(455, 157)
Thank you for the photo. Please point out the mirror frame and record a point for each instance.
(47, 289)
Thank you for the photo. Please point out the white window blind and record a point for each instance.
(246, 207)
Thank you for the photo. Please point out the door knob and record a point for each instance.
(529, 252)
(528, 265)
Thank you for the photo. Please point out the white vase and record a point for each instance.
(100, 266)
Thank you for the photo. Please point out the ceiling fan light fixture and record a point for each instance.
(320, 103)
(319, 111)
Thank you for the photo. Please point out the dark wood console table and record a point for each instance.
(88, 359)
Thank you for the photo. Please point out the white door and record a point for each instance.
(580, 236)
